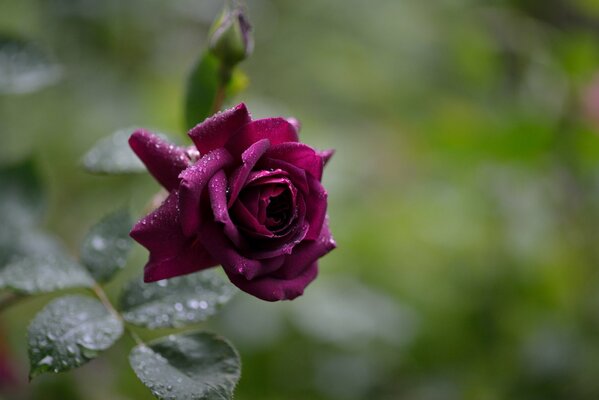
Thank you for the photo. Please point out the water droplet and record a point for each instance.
(48, 360)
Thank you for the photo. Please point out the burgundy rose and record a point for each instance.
(250, 200)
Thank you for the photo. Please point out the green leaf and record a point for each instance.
(43, 273)
(112, 155)
(24, 67)
(15, 243)
(202, 89)
(175, 302)
(22, 198)
(193, 366)
(69, 332)
(105, 248)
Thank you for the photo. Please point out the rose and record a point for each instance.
(251, 200)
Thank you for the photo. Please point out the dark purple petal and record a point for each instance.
(300, 155)
(248, 221)
(193, 181)
(326, 155)
(306, 253)
(217, 188)
(215, 131)
(273, 289)
(223, 251)
(276, 130)
(164, 160)
(296, 124)
(249, 158)
(171, 253)
(296, 175)
(316, 203)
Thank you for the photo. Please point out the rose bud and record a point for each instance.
(231, 38)
(252, 201)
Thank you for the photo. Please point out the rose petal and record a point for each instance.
(273, 289)
(316, 203)
(296, 124)
(217, 188)
(276, 130)
(300, 155)
(249, 158)
(215, 131)
(297, 175)
(171, 253)
(223, 251)
(306, 253)
(193, 181)
(326, 155)
(248, 221)
(164, 160)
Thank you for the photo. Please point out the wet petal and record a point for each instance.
(300, 155)
(316, 203)
(171, 253)
(276, 130)
(193, 181)
(306, 253)
(164, 160)
(223, 251)
(326, 155)
(249, 158)
(217, 188)
(215, 131)
(273, 289)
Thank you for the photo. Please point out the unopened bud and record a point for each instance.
(231, 36)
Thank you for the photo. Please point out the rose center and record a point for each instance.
(279, 211)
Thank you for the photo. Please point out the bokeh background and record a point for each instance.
(464, 195)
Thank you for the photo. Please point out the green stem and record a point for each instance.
(224, 77)
(101, 294)
(9, 300)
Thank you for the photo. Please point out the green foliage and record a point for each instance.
(22, 197)
(69, 332)
(202, 90)
(24, 67)
(192, 366)
(175, 302)
(105, 248)
(43, 273)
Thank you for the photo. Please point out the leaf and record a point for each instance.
(201, 91)
(69, 332)
(175, 302)
(24, 67)
(106, 246)
(112, 155)
(22, 197)
(193, 366)
(43, 273)
(15, 243)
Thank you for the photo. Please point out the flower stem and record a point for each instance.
(9, 300)
(101, 294)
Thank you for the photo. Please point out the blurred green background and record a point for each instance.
(464, 195)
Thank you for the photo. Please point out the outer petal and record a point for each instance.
(171, 254)
(306, 253)
(193, 181)
(215, 131)
(300, 155)
(277, 130)
(249, 158)
(273, 289)
(316, 203)
(164, 160)
(326, 155)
